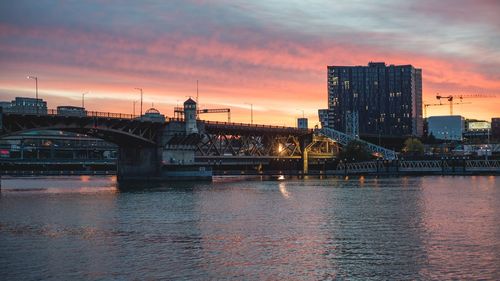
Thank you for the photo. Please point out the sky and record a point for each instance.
(268, 55)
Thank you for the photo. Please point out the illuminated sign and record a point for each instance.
(479, 125)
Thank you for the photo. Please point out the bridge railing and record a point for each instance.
(76, 113)
(344, 139)
(254, 125)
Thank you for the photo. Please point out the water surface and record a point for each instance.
(404, 228)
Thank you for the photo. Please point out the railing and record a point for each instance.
(82, 113)
(344, 139)
(254, 125)
(436, 166)
(86, 113)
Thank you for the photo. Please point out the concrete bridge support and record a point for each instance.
(137, 163)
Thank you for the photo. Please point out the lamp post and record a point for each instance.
(140, 89)
(83, 99)
(36, 90)
(133, 110)
(251, 112)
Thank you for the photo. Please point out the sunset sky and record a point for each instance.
(272, 54)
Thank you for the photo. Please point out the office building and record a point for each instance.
(447, 128)
(379, 99)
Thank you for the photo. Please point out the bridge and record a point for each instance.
(171, 148)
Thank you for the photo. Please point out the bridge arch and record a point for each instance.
(122, 132)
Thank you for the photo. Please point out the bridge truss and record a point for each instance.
(344, 139)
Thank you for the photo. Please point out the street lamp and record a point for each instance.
(251, 112)
(133, 111)
(36, 90)
(140, 89)
(83, 99)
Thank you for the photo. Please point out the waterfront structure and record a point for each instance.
(302, 123)
(187, 148)
(25, 105)
(386, 100)
(55, 146)
(447, 128)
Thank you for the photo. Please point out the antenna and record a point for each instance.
(197, 97)
(197, 94)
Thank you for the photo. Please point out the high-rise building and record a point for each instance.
(386, 100)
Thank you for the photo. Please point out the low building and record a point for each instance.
(25, 106)
(447, 128)
(477, 130)
(302, 123)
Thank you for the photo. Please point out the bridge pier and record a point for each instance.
(135, 162)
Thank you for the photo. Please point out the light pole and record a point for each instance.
(140, 89)
(83, 99)
(133, 111)
(251, 112)
(36, 90)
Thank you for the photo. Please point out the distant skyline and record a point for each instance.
(272, 54)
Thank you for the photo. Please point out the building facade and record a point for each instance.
(447, 128)
(495, 128)
(25, 105)
(302, 123)
(386, 100)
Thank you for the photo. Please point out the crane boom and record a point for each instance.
(179, 112)
(438, 104)
(450, 98)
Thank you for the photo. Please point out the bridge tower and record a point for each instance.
(190, 116)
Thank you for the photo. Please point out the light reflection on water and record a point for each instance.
(391, 228)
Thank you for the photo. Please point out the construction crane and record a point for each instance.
(179, 112)
(438, 104)
(450, 98)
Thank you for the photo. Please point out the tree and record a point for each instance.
(355, 151)
(413, 146)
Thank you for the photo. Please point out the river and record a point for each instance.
(404, 228)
